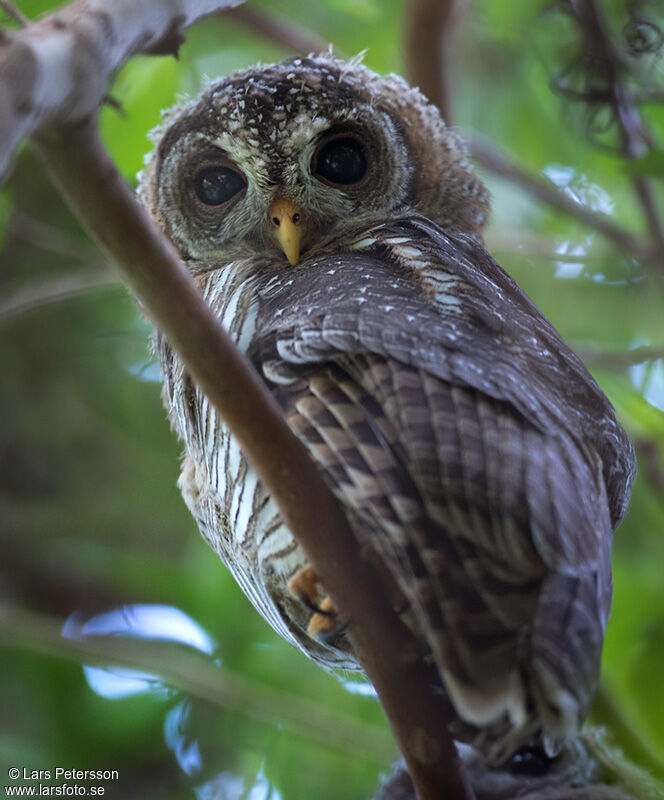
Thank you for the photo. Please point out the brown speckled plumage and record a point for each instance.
(469, 446)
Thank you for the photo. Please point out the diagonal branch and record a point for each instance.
(275, 29)
(52, 81)
(15, 13)
(77, 161)
(486, 154)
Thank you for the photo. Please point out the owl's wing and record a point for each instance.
(439, 302)
(477, 468)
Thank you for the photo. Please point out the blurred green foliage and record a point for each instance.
(91, 518)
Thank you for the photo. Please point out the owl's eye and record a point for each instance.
(340, 161)
(217, 185)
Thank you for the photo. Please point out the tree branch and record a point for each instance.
(76, 160)
(53, 77)
(53, 291)
(15, 13)
(196, 675)
(430, 25)
(617, 359)
(542, 189)
(286, 33)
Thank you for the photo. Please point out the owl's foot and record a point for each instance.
(324, 625)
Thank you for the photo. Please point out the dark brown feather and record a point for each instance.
(478, 452)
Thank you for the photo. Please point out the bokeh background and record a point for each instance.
(94, 537)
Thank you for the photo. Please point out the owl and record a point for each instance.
(333, 224)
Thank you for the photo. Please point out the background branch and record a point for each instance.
(293, 37)
(198, 676)
(430, 26)
(541, 188)
(56, 290)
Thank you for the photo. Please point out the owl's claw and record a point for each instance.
(304, 585)
(324, 625)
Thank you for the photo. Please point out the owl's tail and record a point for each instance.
(565, 649)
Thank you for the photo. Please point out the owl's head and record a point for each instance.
(282, 159)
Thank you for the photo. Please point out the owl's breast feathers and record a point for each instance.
(467, 440)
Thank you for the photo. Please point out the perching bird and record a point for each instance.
(332, 222)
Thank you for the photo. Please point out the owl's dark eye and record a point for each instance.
(217, 185)
(341, 161)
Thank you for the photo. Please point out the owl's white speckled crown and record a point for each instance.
(274, 110)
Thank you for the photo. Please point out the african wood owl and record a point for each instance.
(332, 222)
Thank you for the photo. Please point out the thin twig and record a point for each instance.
(287, 33)
(77, 161)
(53, 291)
(198, 676)
(15, 13)
(618, 359)
(486, 154)
(50, 237)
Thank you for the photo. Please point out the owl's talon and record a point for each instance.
(324, 626)
(304, 585)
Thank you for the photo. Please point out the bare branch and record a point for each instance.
(56, 70)
(198, 676)
(79, 164)
(37, 233)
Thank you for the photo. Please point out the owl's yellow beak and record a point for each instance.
(286, 220)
